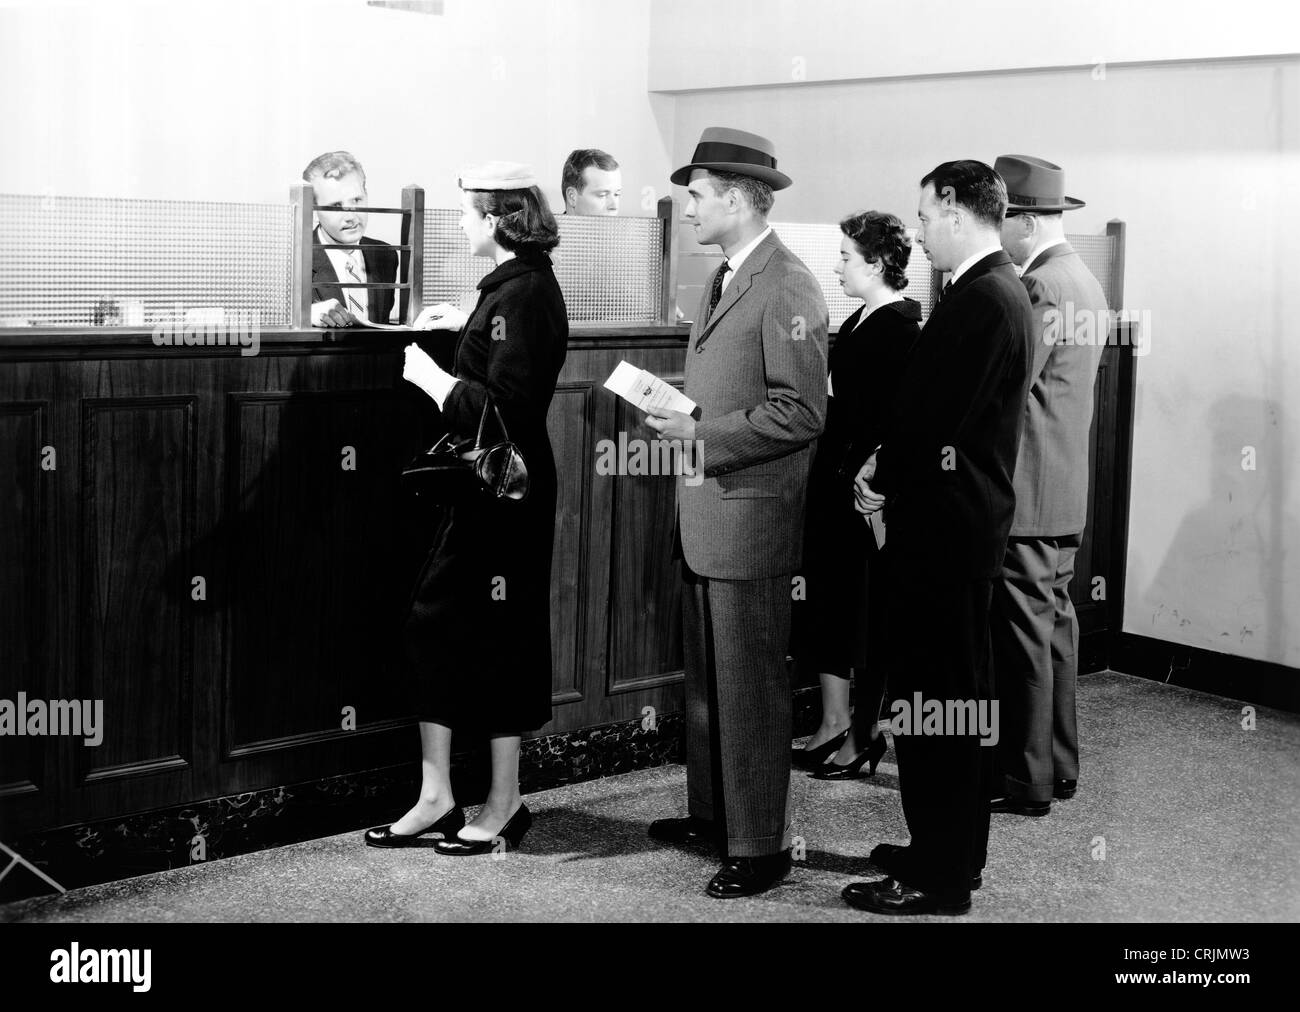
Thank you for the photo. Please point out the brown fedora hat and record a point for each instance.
(1033, 184)
(726, 150)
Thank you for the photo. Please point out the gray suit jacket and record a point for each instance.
(1052, 474)
(757, 369)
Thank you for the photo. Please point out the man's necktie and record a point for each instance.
(354, 304)
(715, 294)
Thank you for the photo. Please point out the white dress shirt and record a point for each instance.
(734, 262)
(971, 261)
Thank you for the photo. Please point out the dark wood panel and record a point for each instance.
(646, 614)
(24, 664)
(1093, 558)
(569, 424)
(320, 573)
(137, 498)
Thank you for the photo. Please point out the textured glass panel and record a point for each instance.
(88, 261)
(609, 268)
(1098, 252)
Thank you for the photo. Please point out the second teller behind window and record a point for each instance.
(836, 625)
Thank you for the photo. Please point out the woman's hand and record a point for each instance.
(425, 373)
(865, 501)
(443, 316)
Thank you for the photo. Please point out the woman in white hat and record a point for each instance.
(478, 633)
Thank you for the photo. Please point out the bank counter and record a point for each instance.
(205, 530)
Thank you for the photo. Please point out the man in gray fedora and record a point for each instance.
(1035, 631)
(756, 368)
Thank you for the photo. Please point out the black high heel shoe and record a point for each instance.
(811, 758)
(448, 825)
(853, 769)
(512, 832)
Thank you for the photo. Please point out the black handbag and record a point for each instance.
(449, 473)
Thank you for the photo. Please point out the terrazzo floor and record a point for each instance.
(1182, 815)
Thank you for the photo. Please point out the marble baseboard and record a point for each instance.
(92, 853)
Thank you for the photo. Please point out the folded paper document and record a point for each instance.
(645, 390)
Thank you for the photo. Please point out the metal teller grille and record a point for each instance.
(610, 269)
(84, 261)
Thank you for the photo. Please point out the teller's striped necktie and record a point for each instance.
(357, 300)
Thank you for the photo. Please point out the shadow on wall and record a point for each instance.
(1225, 583)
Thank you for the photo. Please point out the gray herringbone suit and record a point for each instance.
(757, 369)
(1035, 630)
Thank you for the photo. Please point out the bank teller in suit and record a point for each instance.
(339, 181)
(1035, 630)
(944, 468)
(756, 367)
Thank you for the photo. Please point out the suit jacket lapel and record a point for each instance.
(979, 268)
(1059, 250)
(740, 284)
(322, 271)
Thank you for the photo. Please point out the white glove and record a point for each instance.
(426, 374)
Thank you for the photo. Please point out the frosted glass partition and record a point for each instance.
(91, 261)
(609, 268)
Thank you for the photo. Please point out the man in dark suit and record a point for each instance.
(945, 468)
(1035, 631)
(339, 182)
(756, 368)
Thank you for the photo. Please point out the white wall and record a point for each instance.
(743, 43)
(1201, 160)
(228, 101)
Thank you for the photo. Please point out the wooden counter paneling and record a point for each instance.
(180, 466)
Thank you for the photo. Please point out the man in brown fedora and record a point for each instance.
(1035, 631)
(756, 367)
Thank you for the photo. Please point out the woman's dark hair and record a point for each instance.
(881, 236)
(524, 222)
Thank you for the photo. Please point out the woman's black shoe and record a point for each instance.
(448, 825)
(511, 833)
(853, 770)
(811, 758)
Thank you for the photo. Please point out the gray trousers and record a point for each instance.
(738, 700)
(1036, 666)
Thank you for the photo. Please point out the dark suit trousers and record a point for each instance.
(1036, 646)
(738, 702)
(940, 630)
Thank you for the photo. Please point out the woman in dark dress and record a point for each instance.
(844, 571)
(479, 629)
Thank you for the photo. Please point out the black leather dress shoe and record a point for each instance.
(383, 836)
(889, 857)
(889, 896)
(1019, 806)
(688, 832)
(746, 876)
(508, 839)
(1064, 789)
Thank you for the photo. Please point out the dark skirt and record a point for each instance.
(478, 632)
(843, 580)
